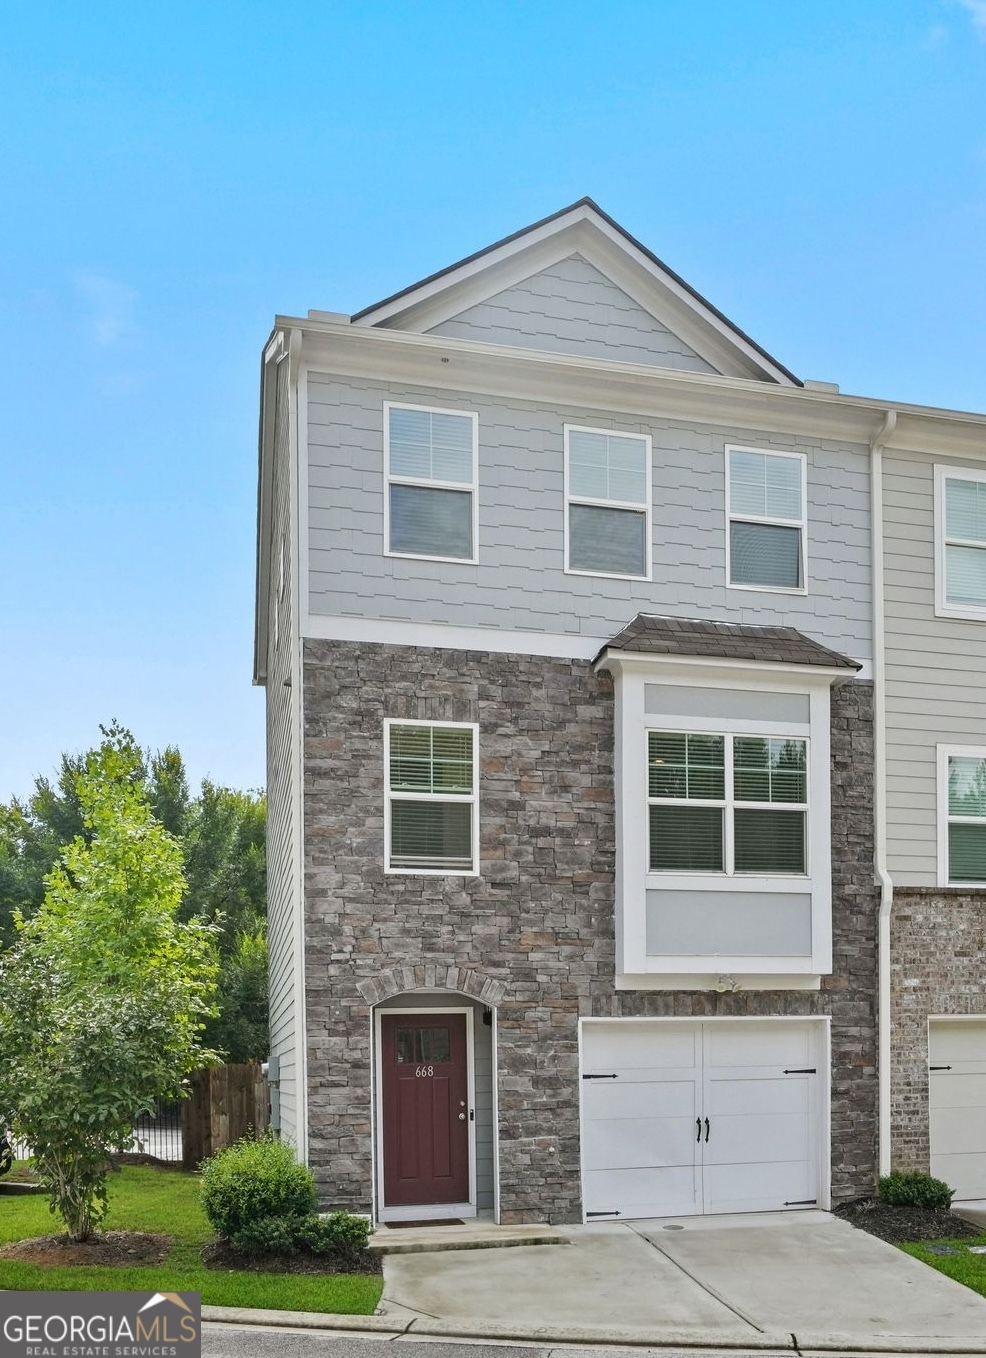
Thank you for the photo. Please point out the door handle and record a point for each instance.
(698, 1129)
(706, 1129)
(462, 1117)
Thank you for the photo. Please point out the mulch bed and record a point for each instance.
(899, 1224)
(222, 1256)
(105, 1248)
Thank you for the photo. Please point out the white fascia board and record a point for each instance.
(410, 305)
(448, 636)
(474, 366)
(265, 473)
(711, 980)
(671, 303)
(654, 289)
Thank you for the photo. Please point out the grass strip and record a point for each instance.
(968, 1269)
(166, 1201)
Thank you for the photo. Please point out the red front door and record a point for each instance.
(425, 1109)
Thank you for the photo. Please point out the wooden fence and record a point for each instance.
(227, 1103)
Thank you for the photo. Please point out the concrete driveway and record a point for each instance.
(751, 1282)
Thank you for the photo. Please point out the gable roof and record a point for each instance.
(692, 637)
(585, 228)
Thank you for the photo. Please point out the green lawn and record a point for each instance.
(964, 1267)
(167, 1201)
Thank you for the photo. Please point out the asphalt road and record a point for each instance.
(222, 1341)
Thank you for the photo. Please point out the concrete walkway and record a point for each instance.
(769, 1281)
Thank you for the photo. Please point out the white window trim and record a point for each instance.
(389, 797)
(943, 609)
(633, 880)
(645, 507)
(945, 753)
(472, 488)
(801, 525)
(685, 879)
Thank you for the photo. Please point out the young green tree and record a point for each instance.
(222, 833)
(104, 991)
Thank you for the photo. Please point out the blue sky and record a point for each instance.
(174, 174)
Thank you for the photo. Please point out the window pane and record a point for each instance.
(431, 522)
(967, 853)
(965, 509)
(769, 770)
(686, 766)
(769, 841)
(430, 445)
(769, 487)
(965, 575)
(966, 786)
(607, 540)
(410, 758)
(431, 759)
(405, 1046)
(607, 466)
(784, 500)
(686, 839)
(765, 554)
(453, 771)
(431, 835)
(434, 1044)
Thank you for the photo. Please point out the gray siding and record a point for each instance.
(520, 582)
(935, 669)
(573, 308)
(282, 912)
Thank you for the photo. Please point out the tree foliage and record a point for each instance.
(104, 990)
(222, 834)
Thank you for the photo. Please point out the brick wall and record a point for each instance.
(537, 926)
(928, 979)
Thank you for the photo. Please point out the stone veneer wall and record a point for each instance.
(938, 952)
(534, 933)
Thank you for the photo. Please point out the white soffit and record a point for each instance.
(582, 229)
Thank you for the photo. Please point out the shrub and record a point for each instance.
(340, 1234)
(914, 1189)
(252, 1180)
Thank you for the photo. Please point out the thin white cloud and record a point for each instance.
(977, 8)
(110, 306)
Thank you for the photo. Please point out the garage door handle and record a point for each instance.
(698, 1129)
(706, 1129)
(940, 1067)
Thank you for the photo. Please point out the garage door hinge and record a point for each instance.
(803, 1202)
(600, 1077)
(604, 1214)
(807, 1070)
(939, 1067)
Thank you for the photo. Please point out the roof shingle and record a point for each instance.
(650, 635)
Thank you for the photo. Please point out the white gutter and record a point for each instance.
(880, 789)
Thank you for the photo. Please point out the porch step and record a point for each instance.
(476, 1235)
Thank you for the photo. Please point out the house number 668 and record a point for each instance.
(424, 1070)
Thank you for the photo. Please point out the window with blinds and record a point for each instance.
(431, 797)
(607, 510)
(966, 830)
(964, 548)
(727, 804)
(765, 494)
(431, 471)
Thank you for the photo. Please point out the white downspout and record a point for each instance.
(880, 789)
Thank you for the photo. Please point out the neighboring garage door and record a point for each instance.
(957, 1093)
(680, 1118)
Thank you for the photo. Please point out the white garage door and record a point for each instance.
(957, 1091)
(680, 1118)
